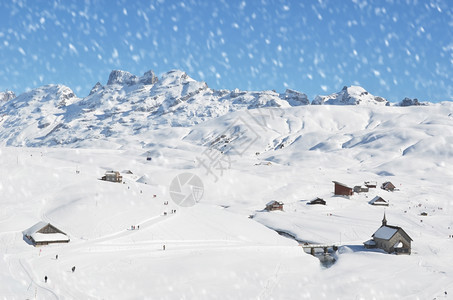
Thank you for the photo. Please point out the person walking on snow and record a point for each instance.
(73, 269)
(45, 279)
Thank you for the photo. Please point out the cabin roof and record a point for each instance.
(370, 243)
(317, 200)
(342, 184)
(377, 199)
(274, 202)
(34, 233)
(35, 228)
(48, 237)
(112, 172)
(388, 184)
(385, 232)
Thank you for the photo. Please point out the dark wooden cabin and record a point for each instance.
(388, 186)
(317, 201)
(341, 189)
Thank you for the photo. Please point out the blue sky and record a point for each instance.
(394, 49)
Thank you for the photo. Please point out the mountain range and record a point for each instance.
(128, 104)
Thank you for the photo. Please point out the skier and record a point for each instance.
(45, 279)
(164, 247)
(56, 256)
(73, 269)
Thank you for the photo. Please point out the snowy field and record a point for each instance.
(215, 249)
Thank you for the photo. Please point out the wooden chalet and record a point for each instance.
(274, 205)
(361, 189)
(391, 239)
(45, 233)
(113, 176)
(379, 201)
(317, 201)
(388, 186)
(341, 189)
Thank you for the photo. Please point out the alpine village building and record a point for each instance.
(388, 186)
(274, 205)
(113, 176)
(341, 189)
(391, 239)
(43, 233)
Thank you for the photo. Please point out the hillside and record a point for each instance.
(248, 148)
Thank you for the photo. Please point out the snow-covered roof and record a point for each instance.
(112, 172)
(342, 184)
(48, 237)
(144, 179)
(274, 202)
(38, 226)
(370, 182)
(377, 199)
(370, 243)
(388, 184)
(385, 232)
(41, 237)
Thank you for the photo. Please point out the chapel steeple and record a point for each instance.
(384, 220)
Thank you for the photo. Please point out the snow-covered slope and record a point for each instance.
(353, 95)
(247, 148)
(214, 245)
(35, 115)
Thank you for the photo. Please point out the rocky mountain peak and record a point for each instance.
(410, 102)
(122, 78)
(353, 95)
(126, 78)
(7, 95)
(96, 88)
(148, 78)
(295, 98)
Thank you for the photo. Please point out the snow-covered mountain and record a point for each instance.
(6, 96)
(353, 95)
(127, 104)
(247, 148)
(133, 105)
